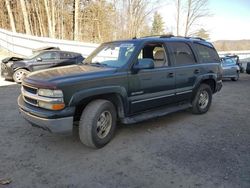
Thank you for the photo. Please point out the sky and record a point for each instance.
(229, 20)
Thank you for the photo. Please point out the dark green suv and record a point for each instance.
(127, 81)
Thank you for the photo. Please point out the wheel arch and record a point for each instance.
(82, 99)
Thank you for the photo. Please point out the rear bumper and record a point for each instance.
(218, 86)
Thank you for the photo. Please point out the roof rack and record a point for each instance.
(198, 38)
(170, 36)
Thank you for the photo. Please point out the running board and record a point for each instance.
(155, 113)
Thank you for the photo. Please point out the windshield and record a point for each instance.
(111, 54)
(33, 55)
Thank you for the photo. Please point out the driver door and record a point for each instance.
(150, 88)
(45, 60)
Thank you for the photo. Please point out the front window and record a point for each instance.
(111, 54)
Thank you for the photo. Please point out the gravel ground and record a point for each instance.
(180, 150)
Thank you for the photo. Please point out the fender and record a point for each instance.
(201, 78)
(20, 65)
(85, 93)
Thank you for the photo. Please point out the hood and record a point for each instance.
(66, 74)
(8, 59)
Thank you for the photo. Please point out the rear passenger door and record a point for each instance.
(150, 88)
(186, 69)
(66, 58)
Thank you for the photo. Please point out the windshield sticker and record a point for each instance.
(127, 45)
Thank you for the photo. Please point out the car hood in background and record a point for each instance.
(8, 59)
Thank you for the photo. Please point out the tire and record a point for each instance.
(237, 77)
(202, 100)
(97, 123)
(19, 75)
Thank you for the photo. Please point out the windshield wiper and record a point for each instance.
(98, 64)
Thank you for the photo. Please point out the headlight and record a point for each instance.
(9, 64)
(50, 93)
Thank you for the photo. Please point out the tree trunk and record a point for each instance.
(178, 17)
(12, 21)
(39, 18)
(25, 17)
(53, 18)
(51, 34)
(76, 18)
(188, 17)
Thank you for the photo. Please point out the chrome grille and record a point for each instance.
(29, 94)
(30, 89)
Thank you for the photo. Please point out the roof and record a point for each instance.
(168, 38)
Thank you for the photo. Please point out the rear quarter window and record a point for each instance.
(206, 54)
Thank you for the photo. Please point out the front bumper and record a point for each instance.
(6, 71)
(56, 122)
(59, 125)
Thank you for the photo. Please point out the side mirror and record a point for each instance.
(38, 59)
(145, 63)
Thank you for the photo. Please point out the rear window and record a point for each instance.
(207, 54)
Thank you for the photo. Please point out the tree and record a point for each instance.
(25, 17)
(12, 21)
(202, 33)
(76, 17)
(196, 9)
(178, 4)
(158, 25)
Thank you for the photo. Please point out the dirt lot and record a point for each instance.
(180, 150)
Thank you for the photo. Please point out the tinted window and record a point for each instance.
(49, 55)
(207, 54)
(66, 55)
(182, 53)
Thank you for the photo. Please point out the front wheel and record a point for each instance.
(19, 75)
(202, 99)
(97, 123)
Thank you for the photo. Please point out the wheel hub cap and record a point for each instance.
(204, 99)
(104, 123)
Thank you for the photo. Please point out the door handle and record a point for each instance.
(170, 75)
(196, 71)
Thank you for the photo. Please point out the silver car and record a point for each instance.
(230, 68)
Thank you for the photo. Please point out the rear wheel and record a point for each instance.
(236, 77)
(97, 123)
(202, 99)
(19, 75)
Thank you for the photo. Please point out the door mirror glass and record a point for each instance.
(145, 63)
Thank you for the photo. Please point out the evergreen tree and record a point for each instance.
(158, 25)
(202, 33)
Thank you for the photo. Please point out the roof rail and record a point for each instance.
(198, 38)
(170, 36)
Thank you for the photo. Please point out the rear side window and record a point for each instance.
(182, 53)
(207, 54)
(66, 55)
